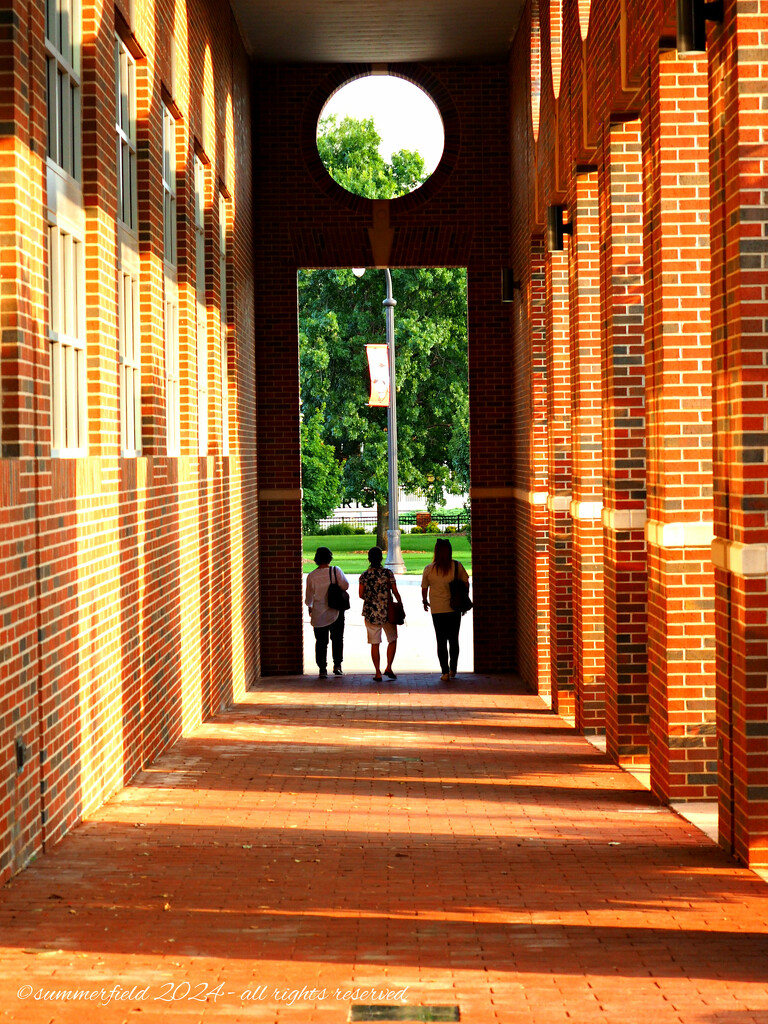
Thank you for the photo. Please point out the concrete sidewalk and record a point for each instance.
(321, 849)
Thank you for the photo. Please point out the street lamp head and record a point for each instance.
(358, 271)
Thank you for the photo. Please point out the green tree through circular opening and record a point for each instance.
(374, 133)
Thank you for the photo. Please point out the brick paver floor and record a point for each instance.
(322, 847)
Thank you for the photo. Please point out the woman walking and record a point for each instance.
(436, 595)
(327, 622)
(376, 584)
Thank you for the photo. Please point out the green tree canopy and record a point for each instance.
(320, 470)
(349, 151)
(339, 314)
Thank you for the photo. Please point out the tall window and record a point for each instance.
(62, 44)
(224, 313)
(66, 336)
(202, 324)
(128, 268)
(169, 187)
(125, 124)
(129, 351)
(172, 389)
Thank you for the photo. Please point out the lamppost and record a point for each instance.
(394, 560)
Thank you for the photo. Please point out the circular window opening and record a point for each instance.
(380, 137)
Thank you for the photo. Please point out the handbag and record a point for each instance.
(395, 612)
(337, 598)
(460, 601)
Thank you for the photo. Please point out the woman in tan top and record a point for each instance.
(436, 595)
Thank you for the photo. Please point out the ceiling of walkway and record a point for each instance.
(377, 31)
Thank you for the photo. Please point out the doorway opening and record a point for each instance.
(347, 396)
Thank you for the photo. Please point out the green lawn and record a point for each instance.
(350, 553)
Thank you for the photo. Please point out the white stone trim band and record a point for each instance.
(280, 494)
(619, 520)
(586, 509)
(740, 559)
(491, 492)
(559, 503)
(530, 497)
(679, 535)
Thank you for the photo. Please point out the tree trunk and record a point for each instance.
(382, 522)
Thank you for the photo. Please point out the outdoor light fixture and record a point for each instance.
(692, 18)
(556, 228)
(508, 285)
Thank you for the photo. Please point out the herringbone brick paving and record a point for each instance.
(456, 846)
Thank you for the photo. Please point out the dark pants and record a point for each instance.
(336, 633)
(447, 632)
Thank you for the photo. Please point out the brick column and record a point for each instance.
(280, 534)
(623, 377)
(530, 374)
(491, 386)
(586, 446)
(559, 476)
(679, 432)
(739, 175)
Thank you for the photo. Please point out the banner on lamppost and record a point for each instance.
(378, 367)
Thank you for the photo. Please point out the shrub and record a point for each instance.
(431, 527)
(338, 530)
(450, 529)
(417, 529)
(360, 530)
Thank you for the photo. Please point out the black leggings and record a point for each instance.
(336, 633)
(447, 632)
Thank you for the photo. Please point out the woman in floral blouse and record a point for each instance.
(376, 584)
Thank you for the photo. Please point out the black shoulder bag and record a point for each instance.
(460, 601)
(337, 598)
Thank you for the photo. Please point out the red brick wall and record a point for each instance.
(129, 586)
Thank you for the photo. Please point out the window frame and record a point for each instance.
(224, 319)
(64, 130)
(67, 341)
(125, 131)
(129, 351)
(201, 318)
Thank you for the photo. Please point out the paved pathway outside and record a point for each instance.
(322, 847)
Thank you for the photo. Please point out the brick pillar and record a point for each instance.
(559, 476)
(739, 176)
(530, 374)
(623, 377)
(679, 432)
(491, 385)
(586, 446)
(279, 470)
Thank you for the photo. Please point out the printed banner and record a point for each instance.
(378, 366)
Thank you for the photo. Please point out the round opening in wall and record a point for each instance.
(380, 136)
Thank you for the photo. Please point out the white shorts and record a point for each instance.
(374, 632)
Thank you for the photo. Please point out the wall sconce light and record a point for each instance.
(556, 228)
(692, 18)
(508, 285)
